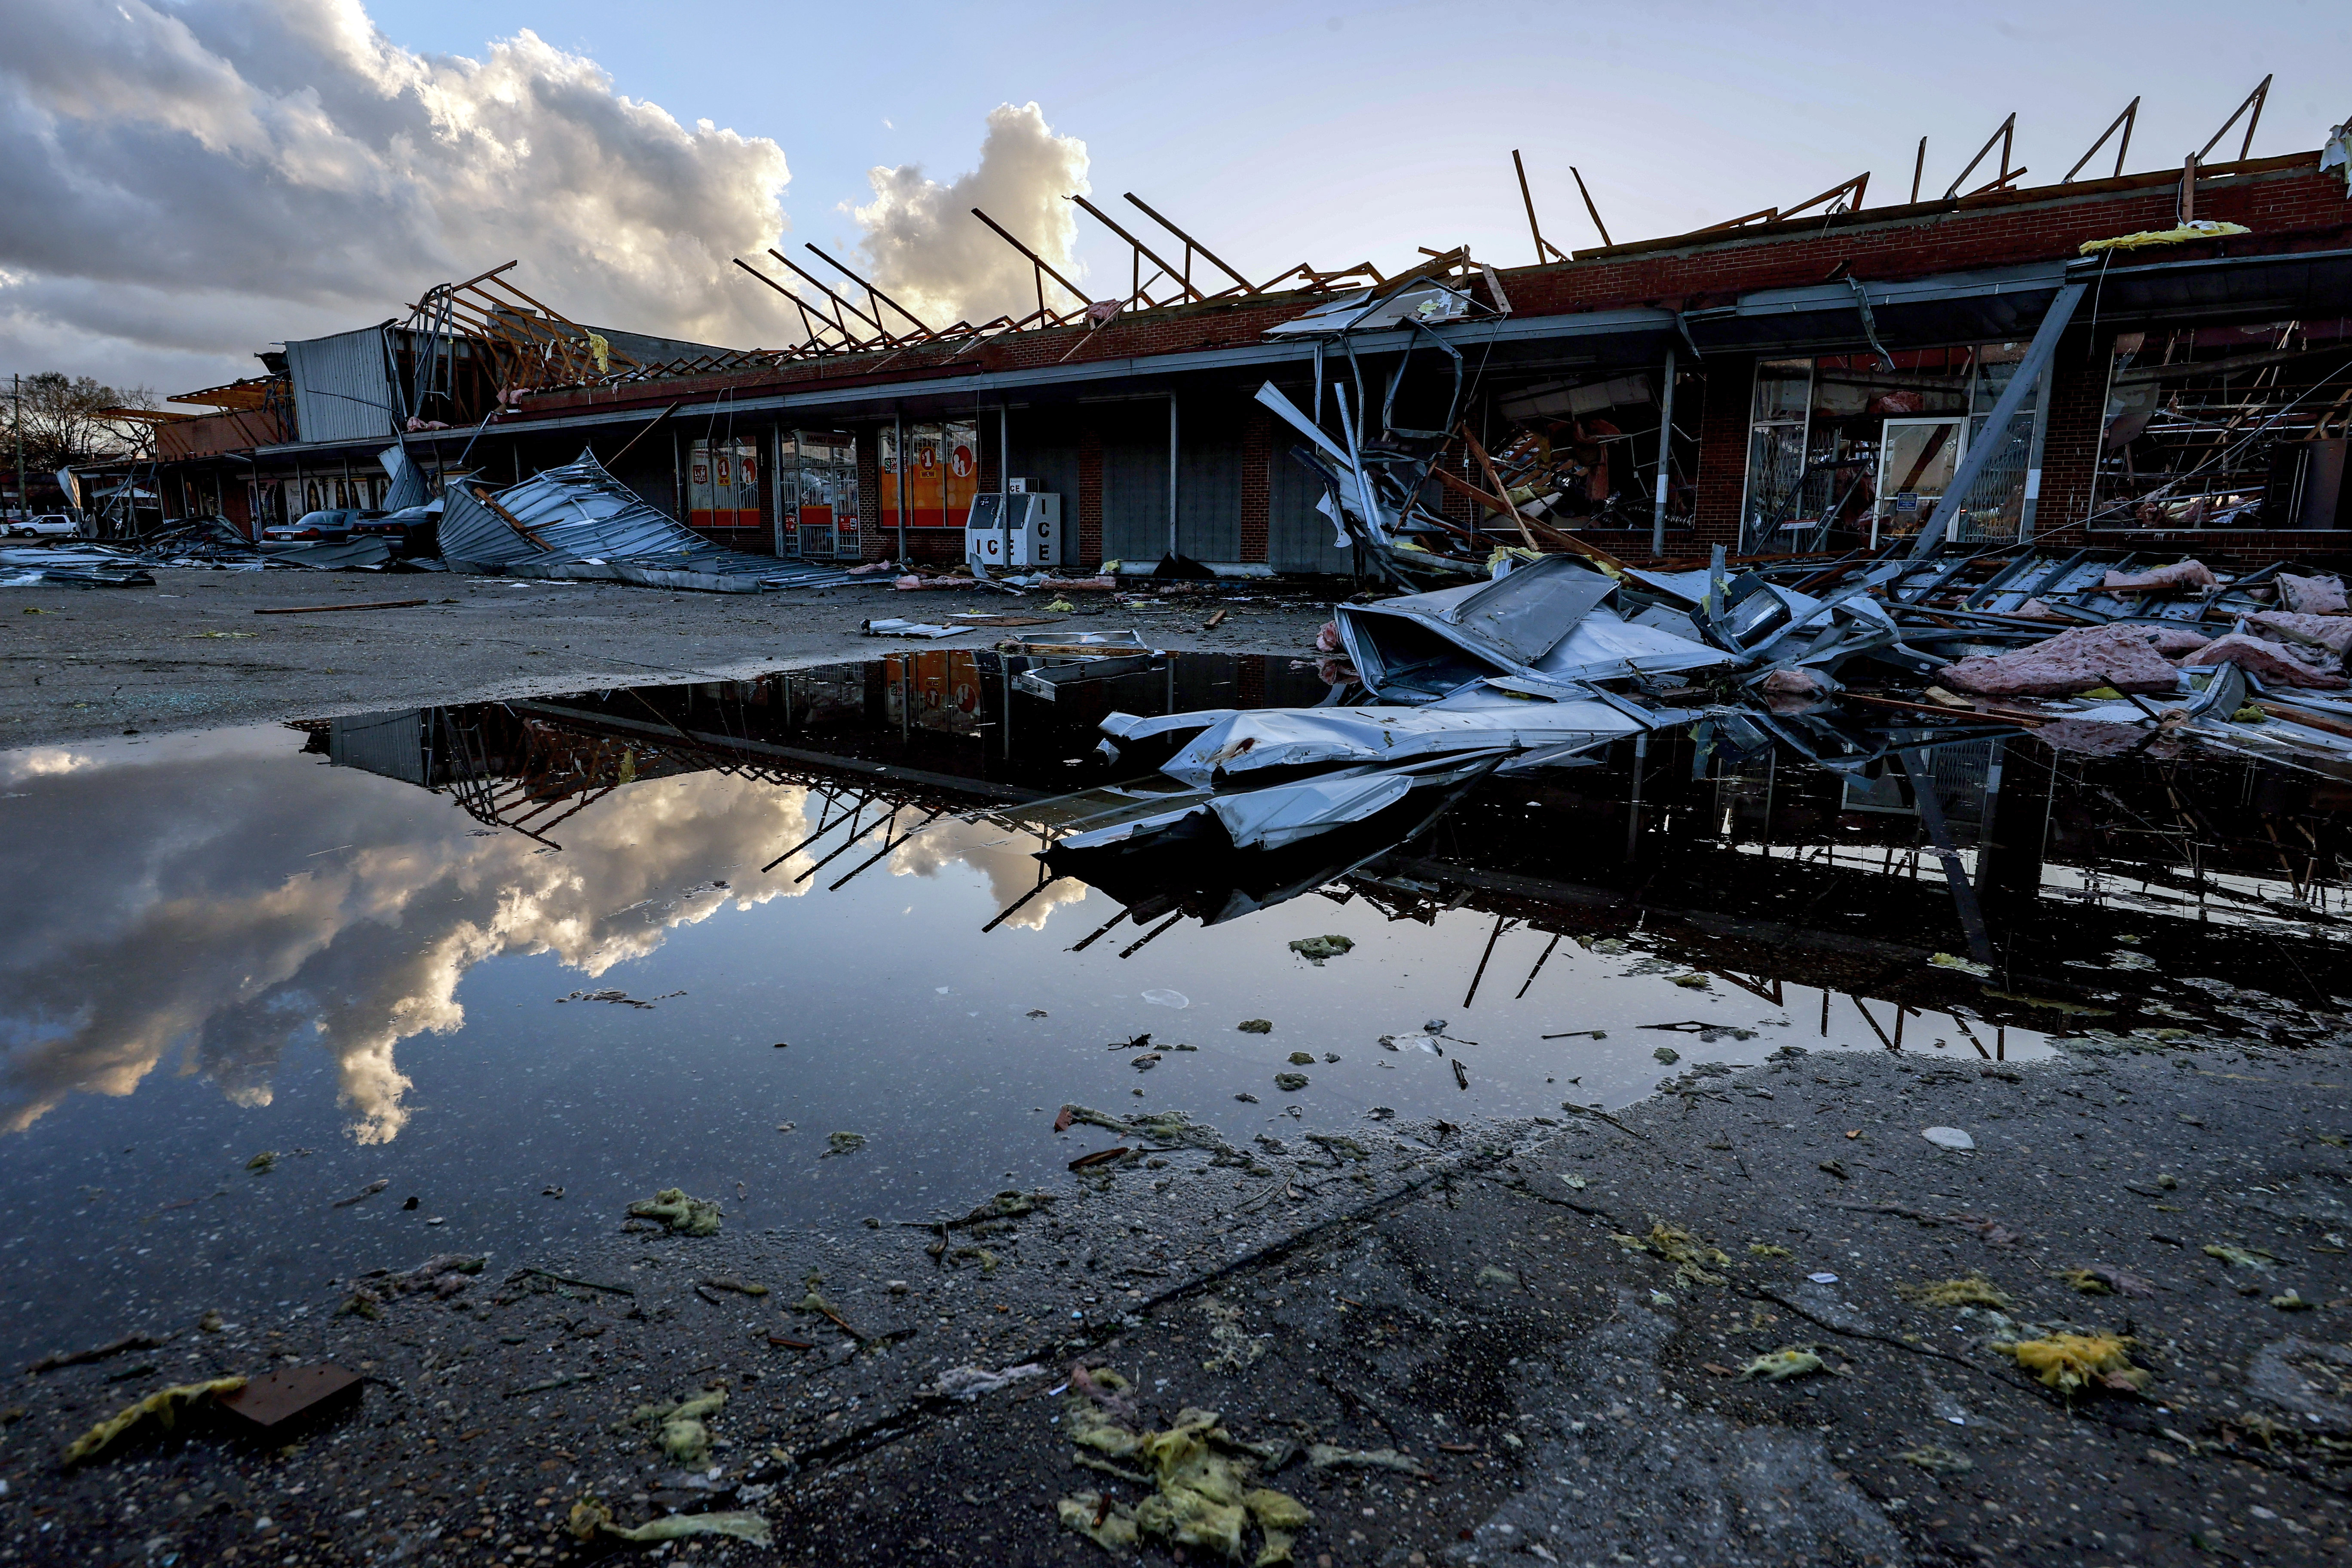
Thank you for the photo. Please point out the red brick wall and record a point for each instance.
(2287, 203)
(230, 430)
(1722, 449)
(2071, 437)
(1257, 456)
(2288, 208)
(873, 543)
(1090, 494)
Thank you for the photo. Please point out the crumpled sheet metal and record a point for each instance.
(2073, 587)
(578, 521)
(1372, 757)
(1375, 491)
(1510, 620)
(1285, 814)
(1766, 624)
(1252, 742)
(1364, 309)
(1547, 620)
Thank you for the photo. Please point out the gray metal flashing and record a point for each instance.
(979, 384)
(2042, 277)
(2288, 283)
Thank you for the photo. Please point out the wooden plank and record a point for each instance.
(367, 604)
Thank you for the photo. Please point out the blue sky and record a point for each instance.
(1281, 131)
(189, 181)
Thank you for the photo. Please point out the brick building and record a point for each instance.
(1827, 373)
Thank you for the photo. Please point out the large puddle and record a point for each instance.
(593, 945)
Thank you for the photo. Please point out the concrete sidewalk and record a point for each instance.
(190, 653)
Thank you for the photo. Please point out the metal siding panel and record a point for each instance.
(341, 390)
(1298, 537)
(1135, 480)
(1046, 455)
(1209, 480)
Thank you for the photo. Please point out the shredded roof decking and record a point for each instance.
(580, 521)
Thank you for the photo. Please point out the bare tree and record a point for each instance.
(66, 422)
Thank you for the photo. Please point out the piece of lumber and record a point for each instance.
(363, 604)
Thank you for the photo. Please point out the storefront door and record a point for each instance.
(1916, 459)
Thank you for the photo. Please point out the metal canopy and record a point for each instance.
(1953, 307)
(2299, 284)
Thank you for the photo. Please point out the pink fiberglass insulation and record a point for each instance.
(2273, 662)
(2174, 641)
(2334, 631)
(2071, 661)
(1793, 689)
(2179, 575)
(2312, 595)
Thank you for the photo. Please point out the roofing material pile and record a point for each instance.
(579, 522)
(82, 565)
(215, 541)
(1557, 659)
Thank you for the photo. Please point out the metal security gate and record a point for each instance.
(1209, 477)
(1298, 537)
(1135, 478)
(1046, 455)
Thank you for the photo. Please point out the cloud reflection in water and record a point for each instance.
(229, 905)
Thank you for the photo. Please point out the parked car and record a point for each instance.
(331, 525)
(410, 526)
(49, 526)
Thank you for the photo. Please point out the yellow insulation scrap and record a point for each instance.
(1680, 1247)
(1281, 1516)
(590, 1517)
(1782, 1365)
(164, 1405)
(1969, 1290)
(1108, 1525)
(2070, 1362)
(681, 1214)
(1200, 1474)
(587, 1516)
(685, 1438)
(741, 1524)
(2198, 229)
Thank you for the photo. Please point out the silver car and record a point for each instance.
(49, 526)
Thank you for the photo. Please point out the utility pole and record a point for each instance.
(21, 507)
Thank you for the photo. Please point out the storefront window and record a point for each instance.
(2227, 426)
(816, 496)
(723, 484)
(942, 478)
(1849, 450)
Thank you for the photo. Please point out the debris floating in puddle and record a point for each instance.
(677, 1212)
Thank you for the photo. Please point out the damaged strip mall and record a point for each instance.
(1855, 482)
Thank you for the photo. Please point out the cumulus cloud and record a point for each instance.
(927, 249)
(188, 182)
(1008, 862)
(224, 939)
(229, 943)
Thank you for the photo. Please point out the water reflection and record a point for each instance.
(221, 908)
(208, 904)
